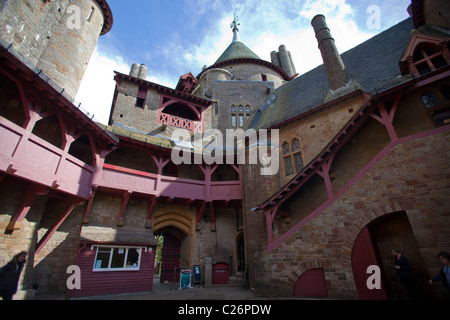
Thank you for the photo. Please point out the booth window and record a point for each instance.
(117, 258)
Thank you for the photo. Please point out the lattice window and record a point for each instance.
(292, 155)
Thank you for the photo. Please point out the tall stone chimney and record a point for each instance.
(334, 66)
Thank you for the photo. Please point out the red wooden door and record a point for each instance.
(170, 259)
(311, 284)
(220, 273)
(363, 256)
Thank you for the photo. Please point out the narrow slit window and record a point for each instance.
(241, 121)
(91, 13)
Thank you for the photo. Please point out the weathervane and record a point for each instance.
(234, 25)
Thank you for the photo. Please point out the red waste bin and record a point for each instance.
(220, 273)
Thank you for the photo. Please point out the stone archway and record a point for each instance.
(174, 216)
(177, 225)
(302, 270)
(389, 231)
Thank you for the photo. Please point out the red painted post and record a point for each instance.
(200, 212)
(51, 231)
(87, 213)
(213, 217)
(126, 198)
(151, 208)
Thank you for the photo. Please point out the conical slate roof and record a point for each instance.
(237, 50)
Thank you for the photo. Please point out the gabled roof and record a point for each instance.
(372, 66)
(237, 50)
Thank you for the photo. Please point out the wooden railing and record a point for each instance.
(27, 156)
(170, 120)
(120, 178)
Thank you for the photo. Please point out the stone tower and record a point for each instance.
(56, 36)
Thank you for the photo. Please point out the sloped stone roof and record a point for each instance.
(237, 50)
(373, 66)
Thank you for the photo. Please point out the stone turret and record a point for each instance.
(56, 36)
(71, 45)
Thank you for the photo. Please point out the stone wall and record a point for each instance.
(328, 239)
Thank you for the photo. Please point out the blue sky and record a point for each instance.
(173, 37)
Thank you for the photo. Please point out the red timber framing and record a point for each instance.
(373, 108)
(30, 198)
(124, 183)
(45, 169)
(57, 223)
(179, 122)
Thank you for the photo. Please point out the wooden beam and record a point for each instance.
(121, 218)
(213, 216)
(150, 210)
(19, 216)
(200, 212)
(87, 213)
(51, 231)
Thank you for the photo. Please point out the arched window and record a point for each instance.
(233, 116)
(181, 111)
(292, 155)
(240, 115)
(248, 111)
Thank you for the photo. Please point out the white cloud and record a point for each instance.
(97, 87)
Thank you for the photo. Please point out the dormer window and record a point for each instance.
(424, 54)
(427, 57)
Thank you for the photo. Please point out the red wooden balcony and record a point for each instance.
(29, 157)
(170, 120)
(119, 178)
(32, 158)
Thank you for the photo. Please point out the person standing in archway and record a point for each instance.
(10, 274)
(403, 267)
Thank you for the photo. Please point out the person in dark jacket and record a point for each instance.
(10, 274)
(444, 274)
(401, 264)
